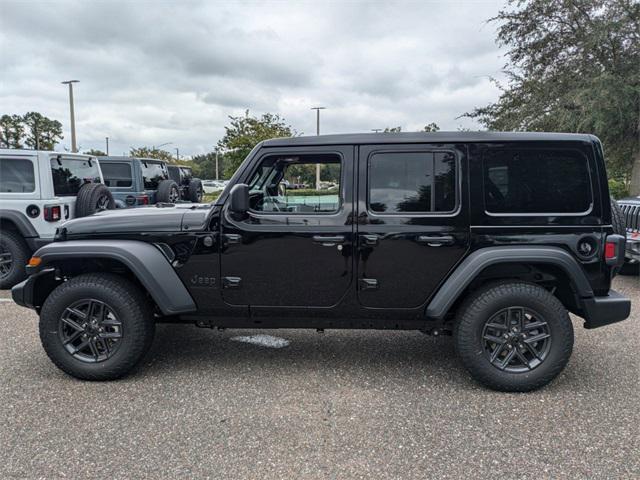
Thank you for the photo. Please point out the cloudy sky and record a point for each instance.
(156, 72)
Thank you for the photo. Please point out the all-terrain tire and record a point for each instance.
(195, 190)
(13, 249)
(168, 192)
(482, 305)
(128, 303)
(92, 198)
(617, 219)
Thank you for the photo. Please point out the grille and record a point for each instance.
(631, 216)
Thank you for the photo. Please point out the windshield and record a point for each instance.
(69, 174)
(153, 173)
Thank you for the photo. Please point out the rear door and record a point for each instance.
(412, 221)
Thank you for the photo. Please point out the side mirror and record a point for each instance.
(239, 199)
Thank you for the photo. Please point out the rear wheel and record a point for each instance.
(14, 255)
(195, 190)
(513, 337)
(96, 326)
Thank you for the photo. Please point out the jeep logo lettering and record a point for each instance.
(200, 281)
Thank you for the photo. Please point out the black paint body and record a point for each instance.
(275, 270)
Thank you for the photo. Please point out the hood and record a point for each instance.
(166, 218)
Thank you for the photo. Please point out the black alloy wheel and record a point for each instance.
(516, 339)
(90, 331)
(6, 262)
(174, 195)
(103, 203)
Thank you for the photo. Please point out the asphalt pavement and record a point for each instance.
(298, 404)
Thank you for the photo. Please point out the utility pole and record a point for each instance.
(317, 109)
(107, 140)
(177, 155)
(217, 171)
(74, 149)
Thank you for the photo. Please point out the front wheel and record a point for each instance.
(96, 326)
(513, 337)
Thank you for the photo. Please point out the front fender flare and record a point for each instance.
(471, 266)
(148, 264)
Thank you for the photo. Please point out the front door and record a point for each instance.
(294, 247)
(412, 221)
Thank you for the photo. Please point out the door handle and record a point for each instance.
(232, 238)
(436, 240)
(328, 240)
(370, 240)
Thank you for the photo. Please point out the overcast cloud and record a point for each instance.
(156, 72)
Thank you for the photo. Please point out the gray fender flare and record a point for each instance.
(148, 264)
(471, 266)
(21, 222)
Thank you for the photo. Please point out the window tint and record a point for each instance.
(153, 173)
(16, 175)
(288, 185)
(536, 181)
(116, 174)
(69, 174)
(420, 182)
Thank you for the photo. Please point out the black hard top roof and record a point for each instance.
(130, 159)
(431, 137)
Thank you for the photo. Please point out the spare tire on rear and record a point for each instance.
(617, 219)
(168, 192)
(195, 190)
(92, 198)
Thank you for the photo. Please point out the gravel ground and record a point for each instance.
(344, 404)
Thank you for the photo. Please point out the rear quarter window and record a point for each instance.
(533, 181)
(117, 174)
(17, 175)
(69, 174)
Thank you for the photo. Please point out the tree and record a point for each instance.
(95, 153)
(11, 131)
(42, 133)
(431, 127)
(245, 132)
(573, 66)
(146, 152)
(392, 130)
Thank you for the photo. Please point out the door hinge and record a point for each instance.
(368, 284)
(231, 282)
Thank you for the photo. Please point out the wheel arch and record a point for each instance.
(145, 263)
(536, 264)
(17, 221)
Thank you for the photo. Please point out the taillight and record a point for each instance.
(610, 251)
(143, 200)
(52, 213)
(614, 250)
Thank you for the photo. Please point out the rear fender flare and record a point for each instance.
(477, 261)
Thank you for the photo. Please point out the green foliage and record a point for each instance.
(311, 192)
(431, 127)
(392, 129)
(573, 66)
(146, 152)
(618, 189)
(204, 166)
(32, 130)
(95, 153)
(245, 132)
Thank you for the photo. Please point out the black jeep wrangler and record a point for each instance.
(190, 188)
(490, 237)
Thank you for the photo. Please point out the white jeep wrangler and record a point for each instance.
(38, 191)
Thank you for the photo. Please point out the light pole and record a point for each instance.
(217, 171)
(177, 155)
(153, 147)
(317, 109)
(107, 141)
(73, 119)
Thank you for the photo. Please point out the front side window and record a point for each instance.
(116, 174)
(153, 173)
(16, 175)
(69, 174)
(536, 181)
(412, 182)
(287, 184)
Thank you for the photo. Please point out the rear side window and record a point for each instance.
(116, 174)
(536, 181)
(152, 174)
(416, 182)
(69, 174)
(16, 175)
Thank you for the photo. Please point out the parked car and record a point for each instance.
(630, 212)
(212, 186)
(490, 237)
(136, 182)
(191, 189)
(38, 191)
